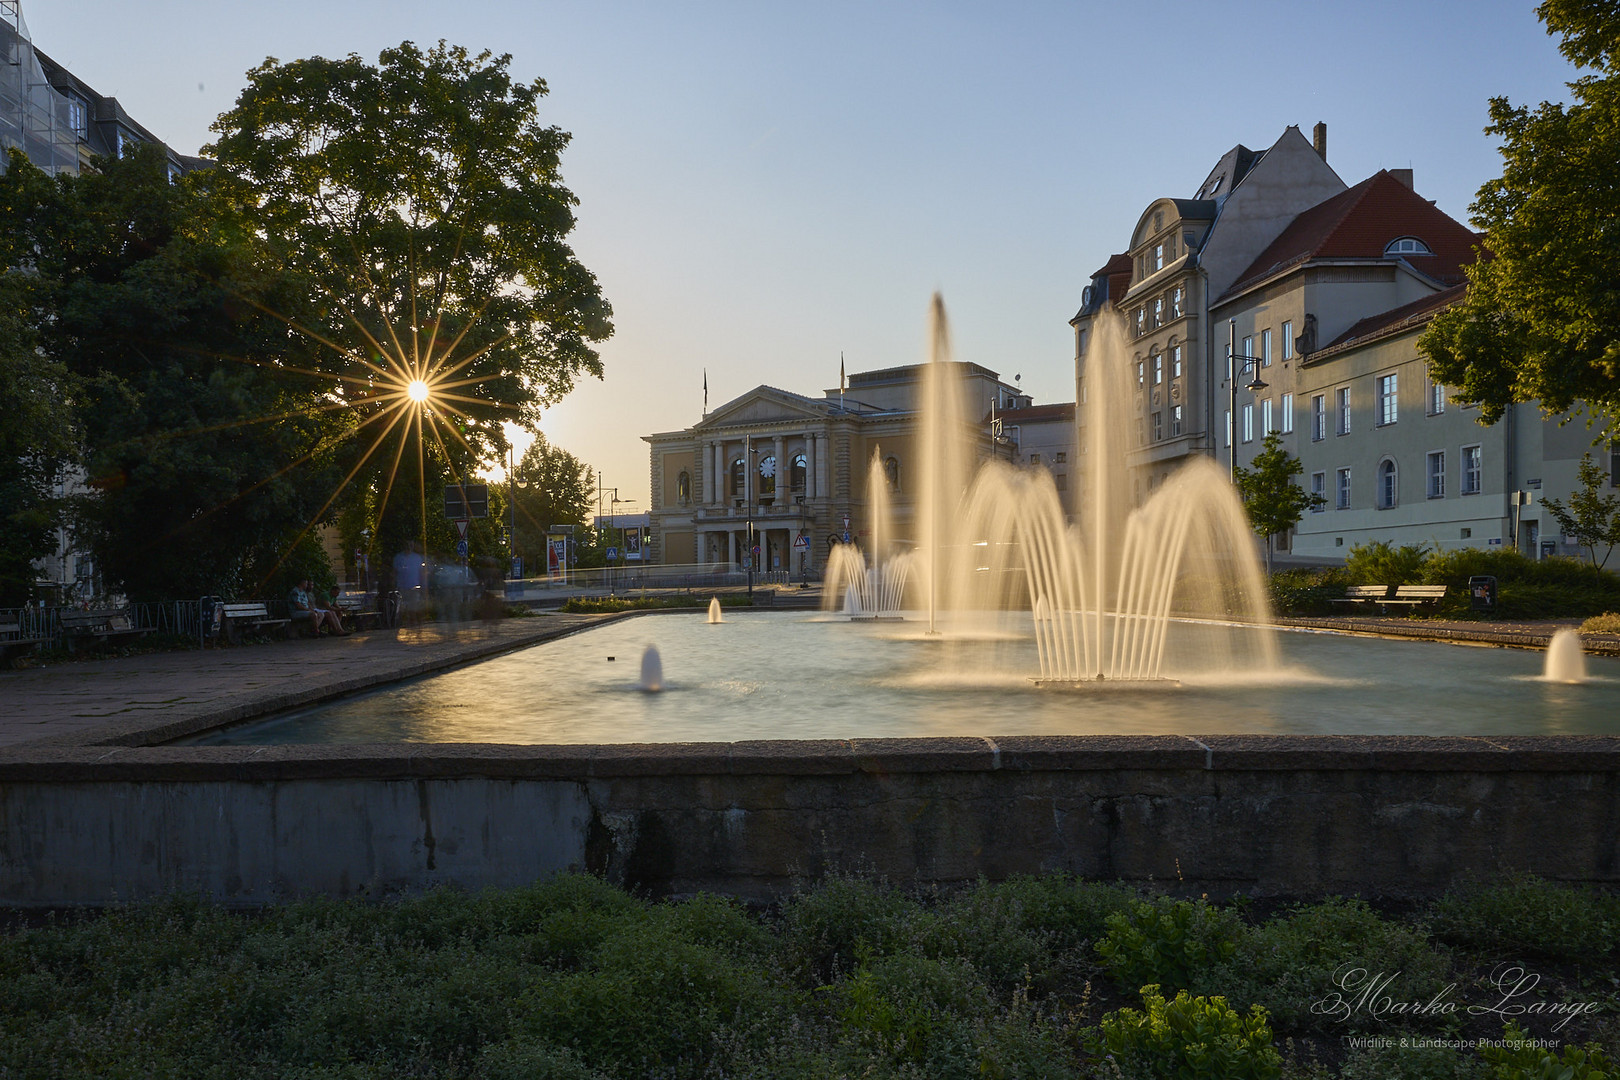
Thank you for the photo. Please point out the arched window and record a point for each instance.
(1389, 485)
(801, 469)
(891, 472)
(683, 488)
(767, 475)
(1407, 245)
(739, 478)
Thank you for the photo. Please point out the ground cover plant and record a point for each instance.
(574, 979)
(595, 605)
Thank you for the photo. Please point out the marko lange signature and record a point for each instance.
(1361, 992)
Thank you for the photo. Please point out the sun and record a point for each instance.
(417, 390)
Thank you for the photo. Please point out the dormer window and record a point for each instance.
(1407, 245)
(1214, 186)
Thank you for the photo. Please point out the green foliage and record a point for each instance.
(844, 921)
(1607, 623)
(594, 605)
(1518, 1061)
(1303, 591)
(1539, 320)
(1526, 916)
(1190, 1038)
(1527, 588)
(556, 488)
(1389, 1060)
(1172, 943)
(1591, 518)
(1296, 960)
(1272, 500)
(1378, 563)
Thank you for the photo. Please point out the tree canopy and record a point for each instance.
(1591, 518)
(1541, 316)
(1272, 500)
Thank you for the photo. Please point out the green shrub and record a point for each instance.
(1172, 943)
(1300, 958)
(1190, 1038)
(1389, 1060)
(1307, 591)
(1527, 916)
(918, 1008)
(1607, 623)
(1518, 1061)
(1378, 563)
(843, 921)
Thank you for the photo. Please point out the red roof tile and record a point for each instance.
(1359, 223)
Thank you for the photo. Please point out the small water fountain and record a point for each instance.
(714, 611)
(652, 670)
(876, 591)
(1566, 662)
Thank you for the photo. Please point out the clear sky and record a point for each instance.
(765, 185)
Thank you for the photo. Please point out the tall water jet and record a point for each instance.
(652, 670)
(1565, 660)
(714, 611)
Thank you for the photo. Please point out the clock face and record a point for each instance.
(767, 467)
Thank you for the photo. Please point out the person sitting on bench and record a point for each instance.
(301, 605)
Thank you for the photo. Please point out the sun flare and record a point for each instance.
(417, 390)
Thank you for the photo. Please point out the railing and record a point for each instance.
(45, 624)
(635, 577)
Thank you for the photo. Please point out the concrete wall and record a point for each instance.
(1295, 816)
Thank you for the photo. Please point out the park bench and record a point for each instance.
(14, 638)
(101, 627)
(1363, 594)
(360, 610)
(1417, 594)
(237, 618)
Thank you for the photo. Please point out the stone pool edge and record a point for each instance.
(1293, 816)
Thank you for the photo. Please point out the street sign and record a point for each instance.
(612, 553)
(461, 549)
(801, 541)
(756, 549)
(461, 528)
(466, 501)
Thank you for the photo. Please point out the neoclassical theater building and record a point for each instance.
(796, 469)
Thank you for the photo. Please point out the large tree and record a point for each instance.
(421, 200)
(1541, 316)
(554, 488)
(201, 444)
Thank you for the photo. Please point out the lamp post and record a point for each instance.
(748, 528)
(601, 536)
(1237, 370)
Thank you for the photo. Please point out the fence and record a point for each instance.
(179, 617)
(635, 577)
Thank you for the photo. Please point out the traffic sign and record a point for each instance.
(461, 528)
(756, 549)
(802, 540)
(613, 553)
(461, 549)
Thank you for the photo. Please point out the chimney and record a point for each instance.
(1319, 139)
(1404, 176)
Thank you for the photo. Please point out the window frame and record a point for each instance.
(1471, 475)
(1387, 487)
(1288, 340)
(1434, 478)
(1265, 347)
(1341, 410)
(1288, 413)
(1387, 388)
(1248, 421)
(1318, 417)
(1341, 489)
(1319, 489)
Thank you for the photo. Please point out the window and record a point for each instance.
(1436, 398)
(1248, 346)
(1141, 321)
(1318, 417)
(1288, 414)
(738, 479)
(1342, 490)
(1387, 405)
(1437, 475)
(1158, 367)
(1178, 299)
(1158, 257)
(1288, 340)
(1342, 400)
(683, 488)
(1248, 422)
(1265, 348)
(1265, 417)
(1158, 426)
(1141, 376)
(1472, 471)
(1229, 363)
(1388, 484)
(1228, 427)
(1034, 459)
(801, 469)
(1175, 361)
(1060, 457)
(1061, 481)
(1175, 420)
(1158, 311)
(1407, 245)
(1319, 489)
(78, 116)
(767, 475)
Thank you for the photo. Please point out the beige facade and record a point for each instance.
(796, 470)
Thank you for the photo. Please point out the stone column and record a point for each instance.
(809, 466)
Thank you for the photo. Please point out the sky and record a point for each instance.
(766, 187)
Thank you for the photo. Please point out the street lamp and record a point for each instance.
(1237, 370)
(748, 534)
(512, 484)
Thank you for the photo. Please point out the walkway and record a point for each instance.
(1523, 635)
(153, 697)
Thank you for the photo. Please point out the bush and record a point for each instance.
(1172, 943)
(1607, 623)
(843, 922)
(1392, 1061)
(1297, 960)
(1530, 917)
(1307, 592)
(1190, 1038)
(1377, 563)
(1518, 1061)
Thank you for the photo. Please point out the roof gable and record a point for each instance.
(1359, 223)
(763, 405)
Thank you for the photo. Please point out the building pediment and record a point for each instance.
(763, 405)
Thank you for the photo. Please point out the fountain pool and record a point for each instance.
(792, 675)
